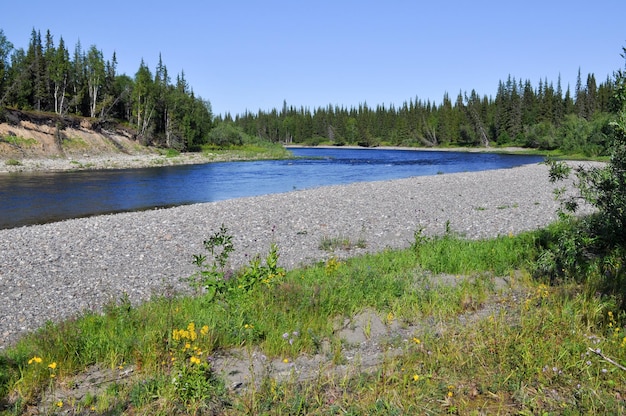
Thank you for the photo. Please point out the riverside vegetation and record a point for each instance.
(532, 347)
(521, 324)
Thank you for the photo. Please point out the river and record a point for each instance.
(37, 198)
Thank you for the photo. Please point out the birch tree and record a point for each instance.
(59, 69)
(95, 77)
(142, 98)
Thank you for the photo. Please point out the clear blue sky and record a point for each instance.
(251, 55)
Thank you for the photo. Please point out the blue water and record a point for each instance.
(37, 198)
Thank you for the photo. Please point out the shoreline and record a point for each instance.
(55, 271)
(508, 150)
(107, 162)
(153, 159)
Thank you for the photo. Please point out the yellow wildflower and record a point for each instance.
(415, 377)
(194, 360)
(52, 365)
(416, 340)
(286, 360)
(191, 328)
(204, 330)
(59, 403)
(35, 359)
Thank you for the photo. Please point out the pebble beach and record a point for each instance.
(56, 271)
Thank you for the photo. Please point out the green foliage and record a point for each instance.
(222, 284)
(543, 117)
(172, 153)
(540, 136)
(454, 355)
(225, 135)
(192, 376)
(212, 277)
(45, 78)
(344, 243)
(452, 254)
(592, 248)
(12, 162)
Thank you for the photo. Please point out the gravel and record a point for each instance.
(56, 271)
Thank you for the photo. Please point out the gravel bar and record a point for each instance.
(55, 271)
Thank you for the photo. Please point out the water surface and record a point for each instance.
(36, 198)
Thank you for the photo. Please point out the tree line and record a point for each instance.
(46, 77)
(542, 117)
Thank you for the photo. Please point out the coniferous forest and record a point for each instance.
(47, 77)
(543, 117)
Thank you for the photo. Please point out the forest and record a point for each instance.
(44, 77)
(543, 118)
(166, 113)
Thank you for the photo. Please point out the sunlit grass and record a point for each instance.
(260, 150)
(477, 346)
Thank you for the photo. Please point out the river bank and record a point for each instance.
(154, 158)
(55, 271)
(123, 161)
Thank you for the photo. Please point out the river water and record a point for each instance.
(36, 198)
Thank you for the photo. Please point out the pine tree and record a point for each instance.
(78, 81)
(6, 48)
(35, 67)
(590, 96)
(580, 99)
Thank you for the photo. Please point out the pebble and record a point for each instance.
(51, 271)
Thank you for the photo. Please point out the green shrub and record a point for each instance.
(592, 247)
(12, 162)
(226, 135)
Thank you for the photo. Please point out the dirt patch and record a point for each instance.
(367, 340)
(41, 136)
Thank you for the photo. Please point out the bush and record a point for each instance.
(593, 247)
(541, 135)
(226, 135)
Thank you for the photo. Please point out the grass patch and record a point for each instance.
(340, 243)
(19, 141)
(260, 150)
(74, 143)
(451, 254)
(12, 162)
(469, 346)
